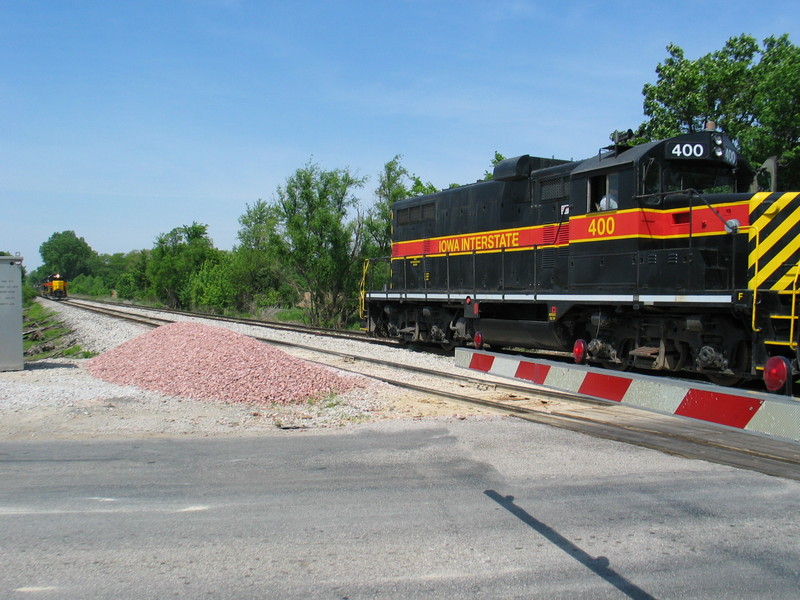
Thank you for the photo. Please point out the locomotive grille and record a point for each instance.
(553, 189)
(774, 240)
(548, 257)
(555, 234)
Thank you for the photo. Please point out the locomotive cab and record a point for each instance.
(673, 246)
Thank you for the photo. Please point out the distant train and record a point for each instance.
(55, 287)
(661, 256)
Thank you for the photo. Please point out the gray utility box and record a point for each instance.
(10, 313)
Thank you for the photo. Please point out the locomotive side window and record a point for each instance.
(603, 192)
(652, 178)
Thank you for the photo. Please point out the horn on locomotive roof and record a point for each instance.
(621, 138)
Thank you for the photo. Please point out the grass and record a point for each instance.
(44, 336)
(291, 315)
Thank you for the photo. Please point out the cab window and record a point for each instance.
(603, 193)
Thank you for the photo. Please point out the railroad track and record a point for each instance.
(674, 435)
(119, 314)
(118, 308)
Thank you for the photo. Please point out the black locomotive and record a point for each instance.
(661, 256)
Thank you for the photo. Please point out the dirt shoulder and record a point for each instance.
(61, 399)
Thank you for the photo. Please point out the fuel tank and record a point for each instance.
(523, 334)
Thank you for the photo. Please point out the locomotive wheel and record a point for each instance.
(613, 366)
(742, 359)
(624, 365)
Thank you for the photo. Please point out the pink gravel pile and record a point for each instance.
(193, 360)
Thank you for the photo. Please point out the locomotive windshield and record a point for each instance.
(705, 178)
(706, 162)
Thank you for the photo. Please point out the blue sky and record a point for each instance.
(121, 120)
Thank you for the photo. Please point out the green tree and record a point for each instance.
(133, 283)
(256, 273)
(261, 279)
(487, 175)
(89, 285)
(393, 184)
(418, 188)
(776, 105)
(127, 288)
(750, 92)
(67, 254)
(175, 258)
(210, 289)
(257, 224)
(319, 248)
(110, 267)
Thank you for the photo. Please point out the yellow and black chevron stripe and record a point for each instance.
(774, 241)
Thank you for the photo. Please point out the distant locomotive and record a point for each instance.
(661, 256)
(55, 287)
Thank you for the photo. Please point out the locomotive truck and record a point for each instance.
(660, 256)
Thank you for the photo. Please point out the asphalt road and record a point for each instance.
(445, 509)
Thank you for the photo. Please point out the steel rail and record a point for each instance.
(293, 327)
(681, 437)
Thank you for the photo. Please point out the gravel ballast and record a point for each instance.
(109, 396)
(195, 360)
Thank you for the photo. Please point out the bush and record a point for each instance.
(127, 288)
(28, 294)
(88, 285)
(210, 288)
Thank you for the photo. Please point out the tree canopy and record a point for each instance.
(751, 92)
(68, 254)
(176, 256)
(394, 183)
(489, 174)
(316, 242)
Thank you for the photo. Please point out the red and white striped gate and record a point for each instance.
(770, 414)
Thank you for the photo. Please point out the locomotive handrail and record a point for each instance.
(795, 291)
(746, 229)
(472, 287)
(362, 296)
(792, 321)
(730, 227)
